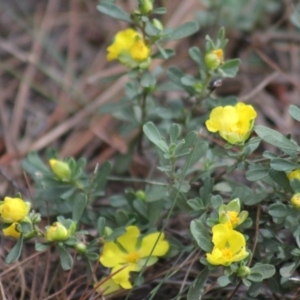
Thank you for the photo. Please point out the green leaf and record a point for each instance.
(230, 68)
(196, 56)
(281, 179)
(256, 277)
(288, 269)
(197, 287)
(154, 136)
(114, 11)
(279, 210)
(152, 30)
(254, 289)
(155, 192)
(141, 208)
(280, 164)
(42, 246)
(147, 80)
(174, 132)
(163, 53)
(175, 76)
(159, 10)
(101, 223)
(15, 252)
(276, 139)
(100, 179)
(183, 31)
(65, 257)
(295, 112)
(79, 205)
(224, 280)
(201, 235)
(257, 173)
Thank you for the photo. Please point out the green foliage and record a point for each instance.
(194, 174)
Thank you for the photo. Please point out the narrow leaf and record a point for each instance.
(197, 287)
(15, 252)
(65, 257)
(114, 11)
(295, 112)
(183, 31)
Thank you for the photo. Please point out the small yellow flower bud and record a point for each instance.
(12, 231)
(56, 233)
(13, 209)
(60, 169)
(214, 59)
(145, 6)
(295, 201)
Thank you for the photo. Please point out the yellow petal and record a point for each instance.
(148, 242)
(122, 277)
(112, 255)
(236, 241)
(11, 231)
(128, 240)
(220, 232)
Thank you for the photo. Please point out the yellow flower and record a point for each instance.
(231, 214)
(131, 255)
(294, 175)
(11, 231)
(60, 169)
(57, 232)
(13, 209)
(295, 201)
(129, 48)
(229, 246)
(234, 123)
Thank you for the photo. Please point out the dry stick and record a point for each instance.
(5, 93)
(24, 90)
(20, 263)
(180, 14)
(2, 293)
(33, 285)
(276, 67)
(66, 287)
(45, 281)
(260, 87)
(188, 270)
(253, 248)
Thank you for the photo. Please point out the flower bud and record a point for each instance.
(295, 201)
(12, 231)
(158, 24)
(56, 233)
(243, 271)
(80, 248)
(145, 6)
(13, 209)
(141, 195)
(214, 59)
(60, 169)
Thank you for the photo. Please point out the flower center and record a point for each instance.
(234, 217)
(227, 253)
(133, 257)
